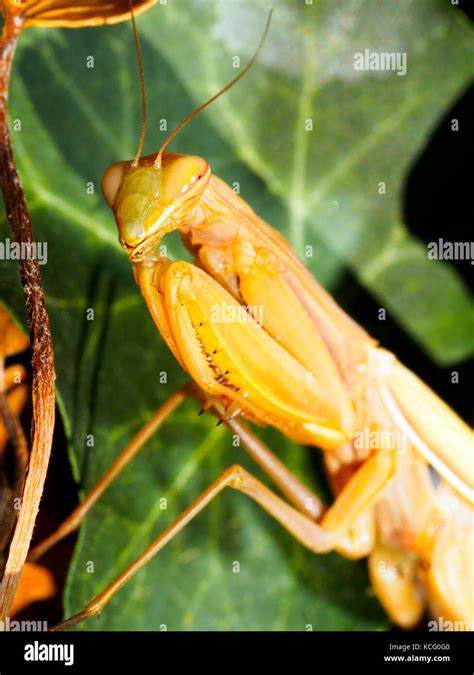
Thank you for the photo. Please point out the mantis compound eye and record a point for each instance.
(112, 180)
(184, 178)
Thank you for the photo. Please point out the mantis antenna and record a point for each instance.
(142, 83)
(216, 96)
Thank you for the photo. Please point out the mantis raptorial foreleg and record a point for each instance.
(358, 495)
(223, 354)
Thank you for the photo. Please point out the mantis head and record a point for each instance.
(153, 195)
(149, 201)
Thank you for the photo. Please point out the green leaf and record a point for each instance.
(319, 188)
(367, 128)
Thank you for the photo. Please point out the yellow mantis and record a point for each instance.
(263, 342)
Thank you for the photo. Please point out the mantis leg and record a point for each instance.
(363, 488)
(73, 521)
(355, 543)
(294, 490)
(301, 496)
(358, 541)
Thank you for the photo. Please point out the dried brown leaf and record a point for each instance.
(12, 339)
(36, 584)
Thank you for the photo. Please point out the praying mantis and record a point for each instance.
(305, 368)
